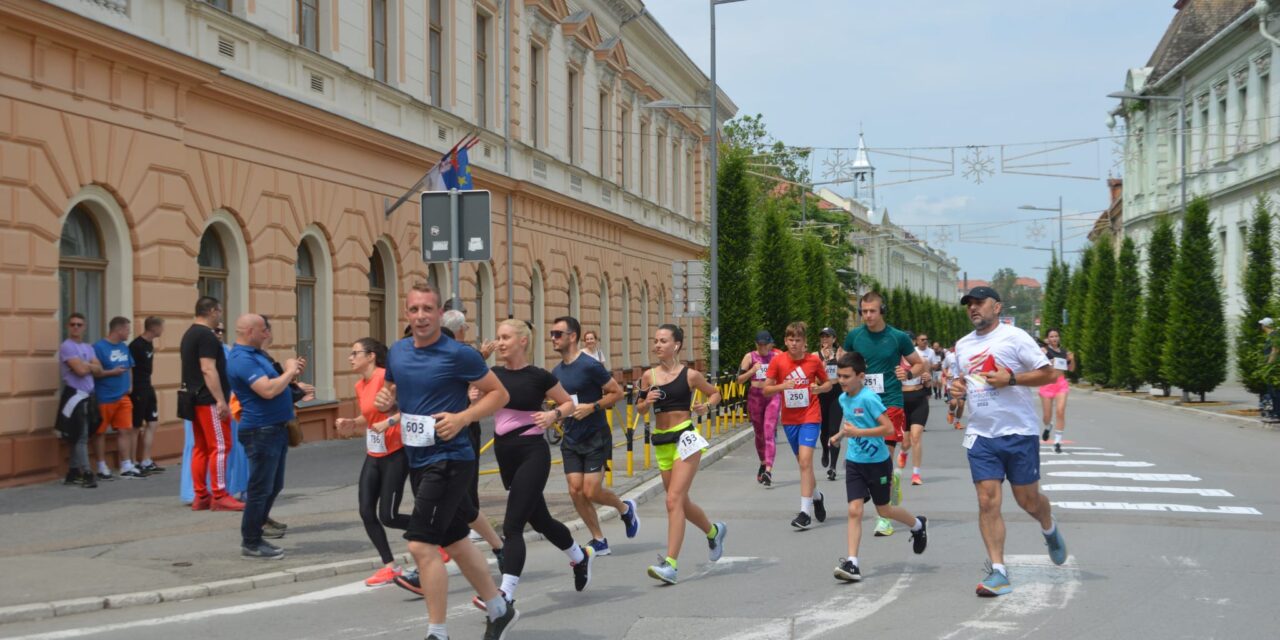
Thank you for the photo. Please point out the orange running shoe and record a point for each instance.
(915, 479)
(383, 576)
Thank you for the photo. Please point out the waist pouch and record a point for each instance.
(669, 437)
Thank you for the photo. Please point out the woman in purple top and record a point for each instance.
(524, 458)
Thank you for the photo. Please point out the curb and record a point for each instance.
(1241, 421)
(60, 608)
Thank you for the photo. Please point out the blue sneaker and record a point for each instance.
(995, 584)
(631, 518)
(717, 543)
(1057, 546)
(601, 547)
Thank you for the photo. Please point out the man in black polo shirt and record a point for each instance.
(203, 401)
(145, 407)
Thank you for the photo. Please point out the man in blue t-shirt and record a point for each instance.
(868, 470)
(427, 378)
(588, 442)
(266, 407)
(112, 391)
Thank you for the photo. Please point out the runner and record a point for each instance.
(955, 404)
(763, 412)
(524, 458)
(915, 401)
(1053, 396)
(433, 373)
(884, 347)
(829, 401)
(800, 377)
(587, 447)
(677, 445)
(868, 467)
(935, 366)
(1001, 363)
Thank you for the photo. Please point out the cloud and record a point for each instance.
(924, 209)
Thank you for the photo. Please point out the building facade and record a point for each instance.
(155, 150)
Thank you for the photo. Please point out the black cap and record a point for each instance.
(980, 293)
(827, 331)
(763, 337)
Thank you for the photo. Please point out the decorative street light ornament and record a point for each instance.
(978, 166)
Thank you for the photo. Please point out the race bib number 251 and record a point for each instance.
(875, 381)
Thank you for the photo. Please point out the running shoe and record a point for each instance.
(480, 604)
(631, 518)
(382, 577)
(263, 551)
(766, 479)
(409, 581)
(716, 544)
(826, 456)
(883, 527)
(226, 503)
(152, 468)
(847, 571)
(1057, 447)
(497, 629)
(73, 477)
(920, 539)
(760, 474)
(995, 584)
(915, 479)
(582, 570)
(958, 425)
(802, 521)
(902, 458)
(271, 532)
(1044, 435)
(1057, 546)
(444, 555)
(88, 480)
(275, 524)
(105, 476)
(831, 474)
(600, 547)
(663, 571)
(201, 504)
(819, 508)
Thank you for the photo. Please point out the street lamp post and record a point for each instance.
(1027, 207)
(715, 214)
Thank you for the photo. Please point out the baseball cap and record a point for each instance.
(763, 337)
(1266, 322)
(827, 331)
(980, 293)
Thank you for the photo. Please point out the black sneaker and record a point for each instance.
(410, 582)
(264, 551)
(105, 476)
(802, 521)
(766, 479)
(133, 473)
(152, 468)
(274, 524)
(820, 507)
(582, 570)
(831, 474)
(497, 555)
(920, 539)
(88, 480)
(1057, 447)
(497, 629)
(826, 457)
(847, 571)
(760, 474)
(1044, 435)
(73, 477)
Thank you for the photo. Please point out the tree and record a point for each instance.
(1258, 274)
(1126, 309)
(1074, 332)
(777, 268)
(814, 283)
(739, 311)
(1149, 343)
(1195, 346)
(1056, 288)
(1097, 336)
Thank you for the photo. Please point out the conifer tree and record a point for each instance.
(1258, 274)
(1195, 345)
(1148, 348)
(1073, 334)
(739, 312)
(1126, 309)
(777, 266)
(1097, 333)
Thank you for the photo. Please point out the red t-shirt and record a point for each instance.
(806, 372)
(365, 394)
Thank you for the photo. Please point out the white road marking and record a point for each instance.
(1078, 448)
(1103, 463)
(840, 611)
(1146, 477)
(1208, 493)
(1175, 508)
(1038, 586)
(1108, 454)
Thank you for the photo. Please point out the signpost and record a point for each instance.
(456, 228)
(689, 287)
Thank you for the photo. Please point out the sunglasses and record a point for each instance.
(356, 353)
(556, 335)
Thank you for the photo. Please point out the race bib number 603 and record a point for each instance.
(417, 431)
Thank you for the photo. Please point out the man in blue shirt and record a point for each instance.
(427, 378)
(112, 390)
(266, 405)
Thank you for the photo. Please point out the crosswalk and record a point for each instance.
(1061, 480)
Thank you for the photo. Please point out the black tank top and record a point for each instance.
(1054, 353)
(674, 395)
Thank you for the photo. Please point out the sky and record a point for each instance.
(935, 80)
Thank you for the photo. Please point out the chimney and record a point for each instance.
(1116, 185)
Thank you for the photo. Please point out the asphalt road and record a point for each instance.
(1170, 518)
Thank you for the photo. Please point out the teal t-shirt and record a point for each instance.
(883, 352)
(863, 411)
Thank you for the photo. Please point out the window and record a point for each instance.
(377, 298)
(644, 320)
(214, 273)
(225, 5)
(82, 268)
(378, 38)
(1242, 118)
(482, 70)
(643, 141)
(572, 109)
(606, 336)
(435, 53)
(624, 166)
(662, 166)
(535, 95)
(1264, 108)
(305, 293)
(484, 324)
(1221, 130)
(1204, 135)
(675, 174)
(537, 316)
(309, 24)
(626, 325)
(602, 118)
(575, 296)
(1222, 258)
(688, 182)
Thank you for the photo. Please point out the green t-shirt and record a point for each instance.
(883, 352)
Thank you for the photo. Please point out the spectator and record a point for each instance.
(77, 407)
(1270, 400)
(203, 400)
(591, 347)
(454, 324)
(145, 406)
(267, 405)
(113, 390)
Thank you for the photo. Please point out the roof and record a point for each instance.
(1030, 283)
(1193, 25)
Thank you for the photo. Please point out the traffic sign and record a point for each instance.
(474, 222)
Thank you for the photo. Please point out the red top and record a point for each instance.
(807, 371)
(365, 393)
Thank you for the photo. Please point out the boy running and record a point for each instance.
(868, 469)
(800, 377)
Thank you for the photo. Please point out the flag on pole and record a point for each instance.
(435, 179)
(457, 170)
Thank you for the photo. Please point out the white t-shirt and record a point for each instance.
(949, 363)
(596, 355)
(926, 355)
(1000, 412)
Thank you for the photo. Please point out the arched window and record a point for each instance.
(645, 334)
(305, 292)
(575, 296)
(537, 317)
(214, 274)
(626, 324)
(662, 307)
(377, 298)
(484, 323)
(82, 268)
(606, 336)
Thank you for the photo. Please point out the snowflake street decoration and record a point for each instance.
(837, 166)
(1035, 231)
(978, 165)
(942, 236)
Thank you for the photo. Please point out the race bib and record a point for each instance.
(417, 431)
(796, 398)
(690, 442)
(1060, 364)
(375, 442)
(760, 373)
(875, 382)
(969, 440)
(831, 372)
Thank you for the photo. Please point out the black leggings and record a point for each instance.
(524, 463)
(381, 488)
(831, 418)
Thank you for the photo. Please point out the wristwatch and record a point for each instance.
(558, 414)
(1013, 379)
(393, 421)
(595, 406)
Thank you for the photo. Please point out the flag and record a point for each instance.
(435, 179)
(457, 172)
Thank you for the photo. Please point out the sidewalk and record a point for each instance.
(135, 537)
(1229, 402)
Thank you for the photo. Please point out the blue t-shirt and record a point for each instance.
(245, 366)
(863, 411)
(430, 380)
(584, 378)
(112, 355)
